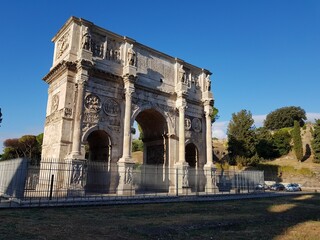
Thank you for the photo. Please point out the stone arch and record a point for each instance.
(165, 115)
(155, 167)
(192, 158)
(99, 143)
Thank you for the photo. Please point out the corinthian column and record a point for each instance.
(127, 124)
(76, 139)
(181, 134)
(209, 138)
(125, 163)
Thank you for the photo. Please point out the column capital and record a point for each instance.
(129, 79)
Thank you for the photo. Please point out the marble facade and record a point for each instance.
(101, 82)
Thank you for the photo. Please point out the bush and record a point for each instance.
(137, 145)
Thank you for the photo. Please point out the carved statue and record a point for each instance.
(86, 40)
(131, 56)
(185, 180)
(182, 74)
(208, 83)
(129, 175)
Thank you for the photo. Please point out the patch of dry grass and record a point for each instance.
(241, 219)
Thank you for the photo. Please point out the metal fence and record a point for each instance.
(58, 181)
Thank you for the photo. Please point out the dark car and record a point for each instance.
(277, 187)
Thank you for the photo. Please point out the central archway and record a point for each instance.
(155, 150)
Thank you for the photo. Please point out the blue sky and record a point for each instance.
(264, 54)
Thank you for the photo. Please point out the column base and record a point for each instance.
(209, 172)
(181, 178)
(126, 181)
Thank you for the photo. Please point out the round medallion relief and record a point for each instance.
(111, 107)
(196, 124)
(187, 124)
(93, 103)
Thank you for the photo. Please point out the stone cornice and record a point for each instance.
(58, 69)
(98, 73)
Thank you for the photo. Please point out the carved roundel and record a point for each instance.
(187, 124)
(93, 103)
(111, 107)
(196, 124)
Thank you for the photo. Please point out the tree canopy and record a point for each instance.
(241, 136)
(27, 146)
(285, 117)
(316, 141)
(297, 141)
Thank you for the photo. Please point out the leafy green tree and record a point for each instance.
(137, 145)
(214, 115)
(141, 136)
(265, 147)
(316, 141)
(241, 137)
(27, 146)
(297, 141)
(285, 117)
(12, 149)
(282, 139)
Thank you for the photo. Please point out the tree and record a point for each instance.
(297, 141)
(282, 139)
(137, 145)
(285, 117)
(265, 147)
(214, 114)
(27, 146)
(316, 141)
(241, 137)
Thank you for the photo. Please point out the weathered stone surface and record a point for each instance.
(101, 82)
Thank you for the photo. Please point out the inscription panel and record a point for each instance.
(154, 66)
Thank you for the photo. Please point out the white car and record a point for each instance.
(293, 187)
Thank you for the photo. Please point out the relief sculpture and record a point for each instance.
(111, 107)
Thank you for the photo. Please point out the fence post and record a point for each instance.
(177, 181)
(51, 187)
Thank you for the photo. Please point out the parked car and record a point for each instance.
(293, 187)
(261, 187)
(277, 187)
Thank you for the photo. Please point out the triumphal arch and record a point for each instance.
(100, 83)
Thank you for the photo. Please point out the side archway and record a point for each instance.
(98, 154)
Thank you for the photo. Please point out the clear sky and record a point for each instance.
(264, 54)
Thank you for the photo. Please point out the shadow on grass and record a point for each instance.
(267, 218)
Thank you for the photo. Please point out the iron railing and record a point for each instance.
(62, 180)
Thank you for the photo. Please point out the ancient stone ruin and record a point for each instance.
(99, 84)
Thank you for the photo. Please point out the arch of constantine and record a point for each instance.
(100, 83)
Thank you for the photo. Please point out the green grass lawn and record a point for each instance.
(294, 217)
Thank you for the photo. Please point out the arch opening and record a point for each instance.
(192, 158)
(98, 154)
(155, 150)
